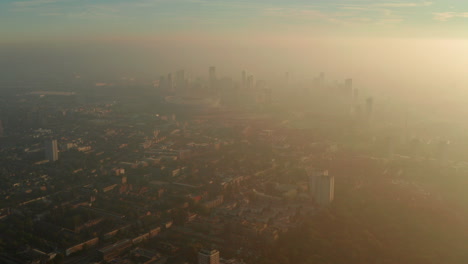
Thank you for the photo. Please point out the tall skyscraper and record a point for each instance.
(51, 150)
(212, 77)
(321, 186)
(208, 257)
(325, 190)
(313, 176)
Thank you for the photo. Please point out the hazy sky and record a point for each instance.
(393, 45)
(38, 19)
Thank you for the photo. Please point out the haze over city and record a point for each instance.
(233, 131)
(392, 45)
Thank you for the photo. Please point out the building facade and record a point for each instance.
(51, 150)
(321, 186)
(208, 257)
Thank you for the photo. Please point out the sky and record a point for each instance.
(390, 45)
(34, 20)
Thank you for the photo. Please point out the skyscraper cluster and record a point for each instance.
(166, 82)
(247, 80)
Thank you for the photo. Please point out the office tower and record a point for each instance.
(170, 81)
(313, 175)
(212, 77)
(180, 80)
(51, 150)
(325, 190)
(321, 186)
(208, 257)
(244, 79)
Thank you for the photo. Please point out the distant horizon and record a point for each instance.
(393, 46)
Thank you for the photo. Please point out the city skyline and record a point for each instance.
(233, 131)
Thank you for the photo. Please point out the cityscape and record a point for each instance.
(213, 170)
(216, 132)
(178, 180)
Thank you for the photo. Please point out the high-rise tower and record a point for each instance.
(321, 186)
(51, 150)
(170, 81)
(325, 190)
